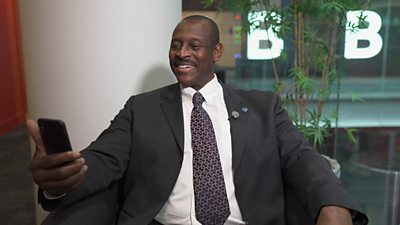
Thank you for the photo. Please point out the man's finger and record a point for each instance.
(60, 173)
(55, 160)
(34, 131)
(64, 185)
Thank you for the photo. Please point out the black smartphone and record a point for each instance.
(54, 135)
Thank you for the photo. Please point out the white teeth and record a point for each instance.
(185, 66)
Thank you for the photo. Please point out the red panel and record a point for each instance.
(12, 84)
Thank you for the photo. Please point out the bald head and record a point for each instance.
(209, 26)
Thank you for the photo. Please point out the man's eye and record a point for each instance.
(175, 46)
(196, 46)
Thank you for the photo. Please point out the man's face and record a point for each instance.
(192, 54)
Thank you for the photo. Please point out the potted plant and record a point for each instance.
(315, 30)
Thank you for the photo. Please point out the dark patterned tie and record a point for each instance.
(211, 202)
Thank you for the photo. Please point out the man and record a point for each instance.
(146, 163)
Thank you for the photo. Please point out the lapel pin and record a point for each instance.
(235, 114)
(245, 109)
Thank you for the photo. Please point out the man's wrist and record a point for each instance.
(334, 215)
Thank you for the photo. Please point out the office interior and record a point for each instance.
(80, 61)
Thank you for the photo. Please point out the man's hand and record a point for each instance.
(334, 215)
(58, 173)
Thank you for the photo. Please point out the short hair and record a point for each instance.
(214, 31)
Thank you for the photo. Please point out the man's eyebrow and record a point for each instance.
(193, 40)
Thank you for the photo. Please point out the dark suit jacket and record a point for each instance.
(142, 152)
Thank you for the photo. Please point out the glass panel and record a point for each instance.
(371, 166)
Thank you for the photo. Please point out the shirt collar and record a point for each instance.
(208, 91)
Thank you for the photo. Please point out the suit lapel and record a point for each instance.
(171, 104)
(238, 116)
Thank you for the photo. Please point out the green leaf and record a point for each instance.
(206, 3)
(356, 98)
(350, 134)
(284, 55)
(277, 86)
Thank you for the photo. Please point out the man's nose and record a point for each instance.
(184, 52)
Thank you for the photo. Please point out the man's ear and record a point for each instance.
(218, 49)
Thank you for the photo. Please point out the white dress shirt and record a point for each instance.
(179, 209)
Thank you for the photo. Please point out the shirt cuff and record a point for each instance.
(53, 197)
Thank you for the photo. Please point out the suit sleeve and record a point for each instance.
(307, 173)
(107, 159)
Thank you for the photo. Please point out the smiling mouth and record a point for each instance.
(184, 68)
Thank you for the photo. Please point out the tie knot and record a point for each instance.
(198, 99)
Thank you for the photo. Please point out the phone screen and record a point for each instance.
(54, 135)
